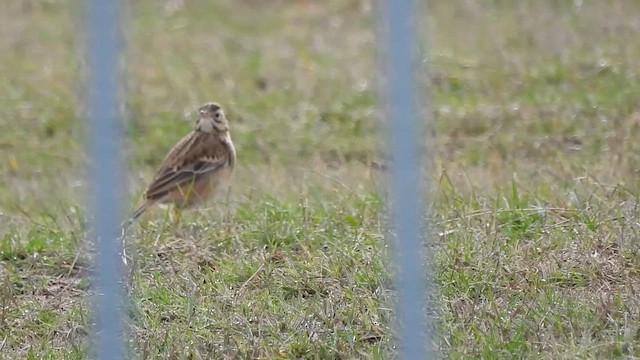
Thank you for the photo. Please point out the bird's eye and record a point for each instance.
(217, 116)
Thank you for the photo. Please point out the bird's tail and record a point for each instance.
(136, 214)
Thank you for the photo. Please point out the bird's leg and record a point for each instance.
(186, 194)
(175, 215)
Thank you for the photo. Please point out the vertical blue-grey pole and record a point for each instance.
(406, 167)
(104, 150)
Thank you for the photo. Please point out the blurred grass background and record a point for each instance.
(535, 161)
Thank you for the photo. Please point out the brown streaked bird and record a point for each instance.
(195, 167)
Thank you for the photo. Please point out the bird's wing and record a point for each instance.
(193, 157)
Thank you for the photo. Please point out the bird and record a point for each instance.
(195, 167)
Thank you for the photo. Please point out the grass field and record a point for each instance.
(535, 164)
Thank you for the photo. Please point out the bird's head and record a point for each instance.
(211, 118)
